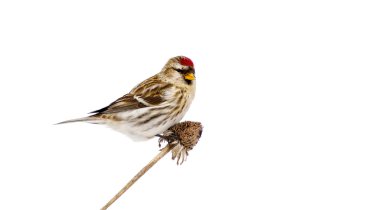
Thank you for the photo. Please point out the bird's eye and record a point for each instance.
(178, 70)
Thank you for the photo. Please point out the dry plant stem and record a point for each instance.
(162, 153)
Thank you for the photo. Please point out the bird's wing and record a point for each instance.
(149, 93)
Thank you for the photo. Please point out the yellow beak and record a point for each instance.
(189, 76)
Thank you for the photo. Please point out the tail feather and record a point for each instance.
(89, 119)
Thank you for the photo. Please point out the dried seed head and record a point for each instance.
(185, 136)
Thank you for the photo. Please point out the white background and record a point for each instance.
(287, 91)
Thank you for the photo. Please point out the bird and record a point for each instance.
(153, 106)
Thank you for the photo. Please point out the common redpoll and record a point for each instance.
(152, 106)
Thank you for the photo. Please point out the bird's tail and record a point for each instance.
(89, 119)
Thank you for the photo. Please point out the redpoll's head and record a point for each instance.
(180, 69)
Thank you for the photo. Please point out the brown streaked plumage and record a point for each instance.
(152, 106)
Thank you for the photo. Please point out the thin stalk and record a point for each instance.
(161, 154)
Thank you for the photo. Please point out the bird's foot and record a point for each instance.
(169, 139)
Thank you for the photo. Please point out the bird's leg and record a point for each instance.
(169, 139)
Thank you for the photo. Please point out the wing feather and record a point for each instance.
(149, 93)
